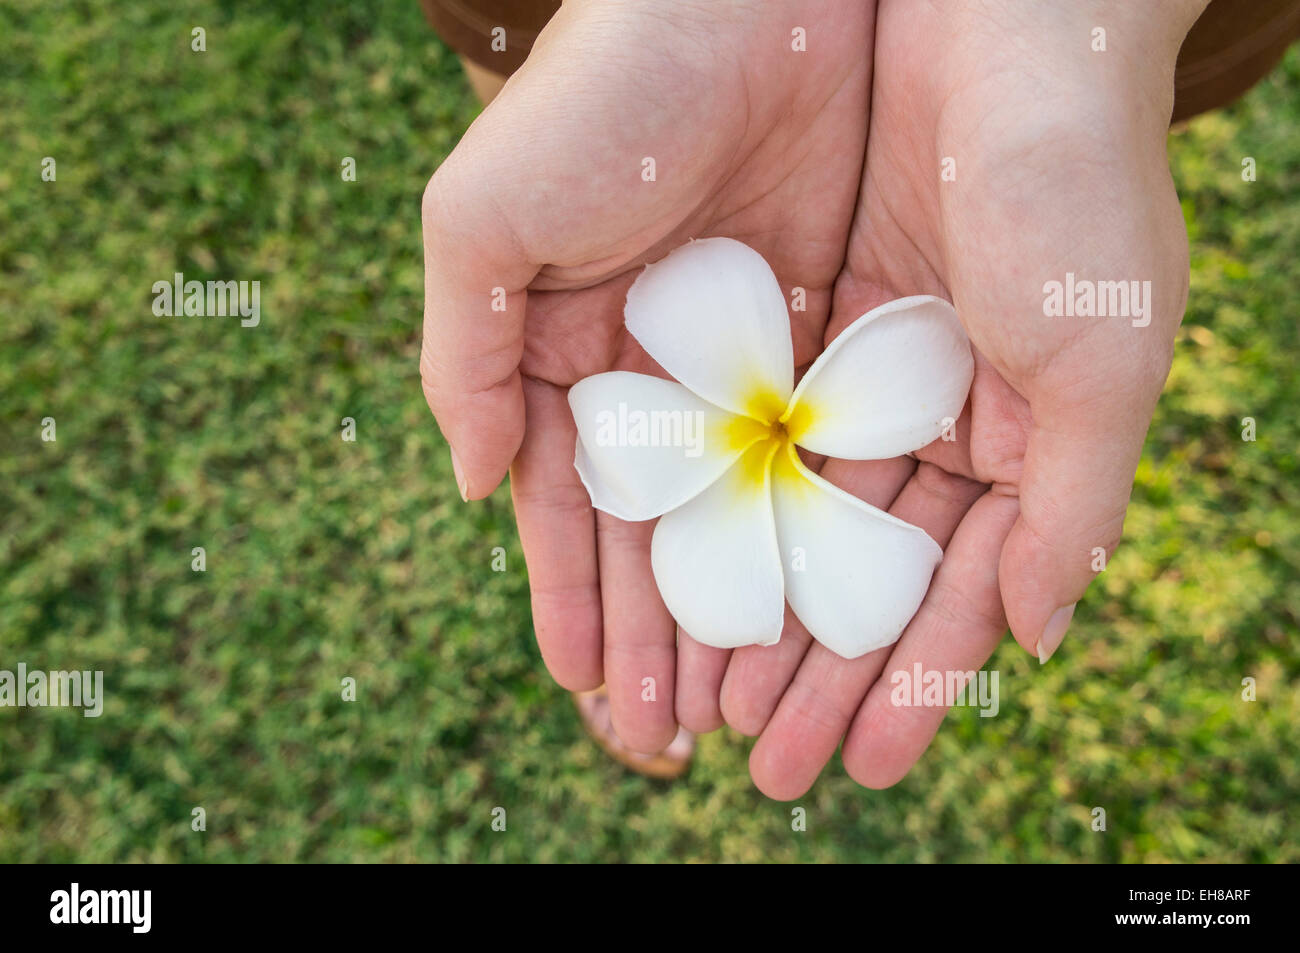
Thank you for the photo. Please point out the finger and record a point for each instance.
(700, 669)
(557, 529)
(474, 302)
(640, 637)
(827, 690)
(1078, 474)
(956, 630)
(759, 675)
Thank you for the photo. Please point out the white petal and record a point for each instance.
(713, 315)
(855, 575)
(646, 445)
(716, 559)
(886, 385)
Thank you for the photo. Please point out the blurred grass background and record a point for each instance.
(329, 559)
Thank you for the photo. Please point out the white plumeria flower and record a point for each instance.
(745, 524)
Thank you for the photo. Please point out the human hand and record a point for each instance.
(545, 199)
(1058, 167)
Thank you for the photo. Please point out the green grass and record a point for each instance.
(329, 559)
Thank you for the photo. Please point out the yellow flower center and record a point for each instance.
(767, 433)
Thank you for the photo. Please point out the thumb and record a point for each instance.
(475, 276)
(1079, 464)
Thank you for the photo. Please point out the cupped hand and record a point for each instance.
(631, 128)
(1003, 155)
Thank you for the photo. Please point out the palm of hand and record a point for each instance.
(976, 191)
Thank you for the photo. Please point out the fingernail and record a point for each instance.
(461, 483)
(1054, 632)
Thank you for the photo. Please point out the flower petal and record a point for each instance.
(713, 315)
(716, 559)
(646, 445)
(855, 575)
(885, 386)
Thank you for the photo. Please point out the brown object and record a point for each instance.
(1229, 49)
(670, 763)
(466, 26)
(485, 83)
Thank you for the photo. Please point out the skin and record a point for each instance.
(1060, 166)
(750, 143)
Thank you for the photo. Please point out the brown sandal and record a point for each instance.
(672, 762)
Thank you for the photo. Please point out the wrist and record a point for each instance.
(1165, 23)
(1117, 53)
(1157, 27)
